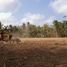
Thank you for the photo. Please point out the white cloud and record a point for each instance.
(59, 6)
(50, 20)
(7, 18)
(32, 18)
(37, 19)
(8, 5)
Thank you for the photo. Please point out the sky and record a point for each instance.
(37, 12)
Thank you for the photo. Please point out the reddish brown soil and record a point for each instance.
(34, 52)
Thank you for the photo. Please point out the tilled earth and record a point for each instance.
(31, 54)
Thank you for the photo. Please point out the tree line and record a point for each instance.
(57, 29)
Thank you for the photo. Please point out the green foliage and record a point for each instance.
(0, 25)
(32, 31)
(58, 29)
(61, 28)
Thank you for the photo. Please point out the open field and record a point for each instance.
(34, 52)
(45, 40)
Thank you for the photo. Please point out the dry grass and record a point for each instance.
(34, 52)
(45, 40)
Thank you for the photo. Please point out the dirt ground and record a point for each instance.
(34, 52)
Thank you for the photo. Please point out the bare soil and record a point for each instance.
(34, 52)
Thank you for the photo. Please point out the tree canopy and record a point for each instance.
(57, 29)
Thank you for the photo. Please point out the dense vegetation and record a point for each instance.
(57, 29)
